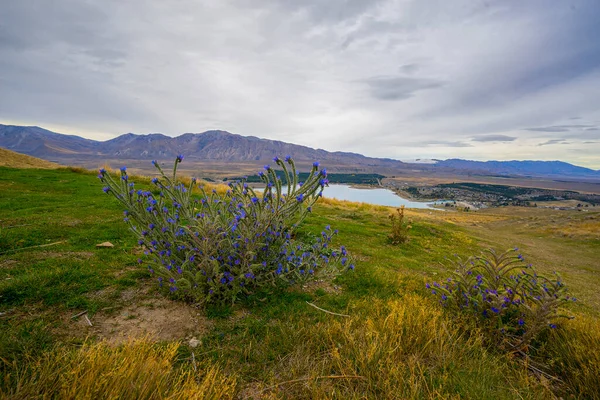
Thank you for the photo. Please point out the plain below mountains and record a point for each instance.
(220, 146)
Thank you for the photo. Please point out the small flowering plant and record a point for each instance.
(400, 228)
(506, 296)
(209, 247)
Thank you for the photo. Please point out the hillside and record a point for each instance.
(16, 160)
(389, 338)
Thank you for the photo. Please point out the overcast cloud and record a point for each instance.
(401, 79)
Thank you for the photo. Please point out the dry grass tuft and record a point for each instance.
(136, 370)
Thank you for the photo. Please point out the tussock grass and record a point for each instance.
(136, 370)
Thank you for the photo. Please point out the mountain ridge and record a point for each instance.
(520, 167)
(219, 145)
(209, 145)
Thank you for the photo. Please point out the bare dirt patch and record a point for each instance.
(160, 319)
(142, 313)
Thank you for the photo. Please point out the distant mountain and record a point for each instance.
(221, 146)
(43, 143)
(210, 145)
(523, 168)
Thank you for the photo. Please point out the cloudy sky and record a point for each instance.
(402, 79)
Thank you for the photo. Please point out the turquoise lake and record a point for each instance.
(377, 196)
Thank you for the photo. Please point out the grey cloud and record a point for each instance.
(409, 68)
(559, 128)
(573, 126)
(84, 27)
(547, 129)
(493, 138)
(534, 65)
(370, 31)
(398, 88)
(330, 11)
(583, 135)
(443, 143)
(592, 129)
(553, 141)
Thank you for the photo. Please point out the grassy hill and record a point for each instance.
(17, 160)
(395, 341)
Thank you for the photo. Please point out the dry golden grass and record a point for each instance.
(404, 349)
(574, 352)
(136, 370)
(12, 159)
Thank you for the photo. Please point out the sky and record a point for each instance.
(404, 79)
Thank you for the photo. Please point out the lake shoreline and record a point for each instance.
(367, 194)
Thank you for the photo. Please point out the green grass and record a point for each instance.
(396, 343)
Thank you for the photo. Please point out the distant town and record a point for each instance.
(472, 196)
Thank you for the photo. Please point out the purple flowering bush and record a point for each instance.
(208, 247)
(505, 296)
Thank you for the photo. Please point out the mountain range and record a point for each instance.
(222, 146)
(532, 168)
(211, 145)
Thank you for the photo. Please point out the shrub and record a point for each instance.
(400, 228)
(215, 248)
(506, 297)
